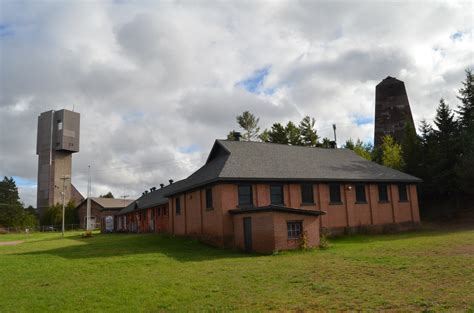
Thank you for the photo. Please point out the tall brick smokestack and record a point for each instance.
(392, 110)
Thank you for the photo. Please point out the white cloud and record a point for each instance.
(153, 79)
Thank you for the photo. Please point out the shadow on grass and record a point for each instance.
(426, 230)
(112, 245)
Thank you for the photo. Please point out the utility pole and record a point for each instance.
(124, 198)
(88, 210)
(64, 178)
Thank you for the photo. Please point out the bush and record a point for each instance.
(323, 242)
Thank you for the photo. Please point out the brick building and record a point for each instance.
(264, 197)
(101, 209)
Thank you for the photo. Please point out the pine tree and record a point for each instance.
(293, 134)
(308, 132)
(11, 209)
(249, 123)
(466, 108)
(446, 150)
(411, 147)
(465, 166)
(107, 195)
(277, 134)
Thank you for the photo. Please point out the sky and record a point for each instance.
(156, 82)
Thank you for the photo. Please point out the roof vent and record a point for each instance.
(171, 181)
(162, 185)
(152, 189)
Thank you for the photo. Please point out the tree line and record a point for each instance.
(12, 211)
(441, 154)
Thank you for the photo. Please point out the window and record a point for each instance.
(383, 193)
(178, 206)
(60, 125)
(402, 192)
(360, 193)
(245, 195)
(295, 228)
(307, 193)
(209, 198)
(276, 194)
(335, 193)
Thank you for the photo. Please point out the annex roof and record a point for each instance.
(276, 208)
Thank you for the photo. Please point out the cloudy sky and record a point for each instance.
(157, 82)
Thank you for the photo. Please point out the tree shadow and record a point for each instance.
(114, 245)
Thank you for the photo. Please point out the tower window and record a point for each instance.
(60, 125)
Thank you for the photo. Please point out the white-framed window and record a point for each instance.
(295, 229)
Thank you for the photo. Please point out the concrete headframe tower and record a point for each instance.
(58, 139)
(392, 110)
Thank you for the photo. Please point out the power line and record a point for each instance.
(140, 166)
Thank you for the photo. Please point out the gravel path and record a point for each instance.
(10, 243)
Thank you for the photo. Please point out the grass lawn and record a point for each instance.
(429, 270)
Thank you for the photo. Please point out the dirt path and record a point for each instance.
(11, 243)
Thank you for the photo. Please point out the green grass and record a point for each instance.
(422, 271)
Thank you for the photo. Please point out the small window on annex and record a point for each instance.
(307, 196)
(209, 199)
(383, 193)
(295, 229)
(276, 194)
(335, 193)
(360, 193)
(245, 195)
(402, 192)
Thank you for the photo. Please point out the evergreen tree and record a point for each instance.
(363, 150)
(349, 144)
(249, 123)
(446, 150)
(466, 95)
(326, 143)
(232, 135)
(11, 209)
(293, 134)
(392, 153)
(277, 134)
(265, 136)
(107, 195)
(308, 132)
(465, 166)
(411, 147)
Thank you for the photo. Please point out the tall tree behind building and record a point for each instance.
(249, 123)
(465, 166)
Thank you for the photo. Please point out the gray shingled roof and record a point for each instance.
(151, 199)
(239, 160)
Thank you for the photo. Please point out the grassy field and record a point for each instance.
(423, 271)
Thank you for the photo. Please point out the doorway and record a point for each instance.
(248, 234)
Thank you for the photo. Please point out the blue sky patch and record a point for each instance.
(362, 120)
(255, 82)
(456, 36)
(23, 182)
(6, 30)
(189, 149)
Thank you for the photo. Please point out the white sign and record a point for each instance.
(109, 223)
